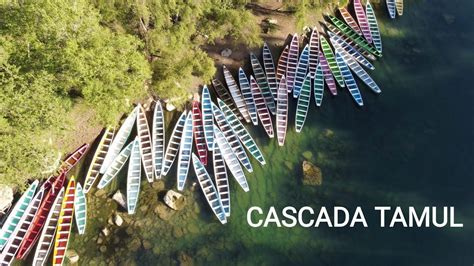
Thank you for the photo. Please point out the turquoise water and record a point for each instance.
(410, 146)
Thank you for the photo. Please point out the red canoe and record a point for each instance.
(199, 138)
(73, 158)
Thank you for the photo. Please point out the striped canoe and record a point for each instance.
(391, 8)
(318, 86)
(327, 74)
(80, 209)
(241, 132)
(313, 52)
(362, 18)
(301, 71)
(293, 53)
(282, 64)
(329, 55)
(98, 158)
(374, 27)
(225, 96)
(198, 131)
(144, 137)
(262, 110)
(47, 235)
(185, 150)
(349, 79)
(262, 82)
(119, 140)
(231, 138)
(269, 67)
(207, 118)
(282, 111)
(348, 40)
(221, 178)
(336, 40)
(158, 138)
(115, 167)
(247, 94)
(209, 190)
(73, 158)
(25, 222)
(399, 6)
(173, 144)
(303, 104)
(230, 159)
(16, 213)
(133, 177)
(236, 94)
(63, 231)
(350, 20)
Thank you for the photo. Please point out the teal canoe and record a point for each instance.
(318, 85)
(303, 104)
(80, 209)
(133, 178)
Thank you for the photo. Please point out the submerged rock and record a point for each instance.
(158, 185)
(308, 155)
(118, 220)
(72, 256)
(312, 174)
(170, 107)
(449, 19)
(174, 200)
(119, 197)
(6, 197)
(163, 212)
(99, 193)
(146, 244)
(185, 260)
(226, 52)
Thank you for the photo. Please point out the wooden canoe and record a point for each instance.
(158, 138)
(301, 71)
(209, 190)
(261, 79)
(282, 64)
(362, 18)
(207, 118)
(350, 20)
(184, 153)
(73, 158)
(225, 96)
(374, 27)
(133, 177)
(262, 110)
(313, 51)
(198, 130)
(327, 74)
(80, 209)
(144, 137)
(119, 141)
(391, 8)
(338, 41)
(173, 144)
(230, 159)
(269, 66)
(282, 111)
(63, 231)
(336, 31)
(318, 86)
(236, 94)
(231, 138)
(293, 55)
(303, 104)
(399, 6)
(247, 94)
(241, 132)
(221, 178)
(331, 60)
(98, 158)
(349, 79)
(115, 167)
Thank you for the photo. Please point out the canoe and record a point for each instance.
(63, 231)
(391, 8)
(231, 138)
(225, 96)
(318, 86)
(261, 79)
(399, 6)
(301, 71)
(359, 71)
(247, 94)
(98, 158)
(133, 177)
(348, 40)
(221, 178)
(119, 140)
(269, 67)
(349, 79)
(282, 111)
(11, 248)
(330, 81)
(241, 132)
(207, 118)
(143, 132)
(337, 40)
(293, 53)
(329, 55)
(362, 18)
(51, 193)
(47, 234)
(16, 213)
(158, 138)
(236, 94)
(313, 52)
(374, 27)
(198, 130)
(230, 159)
(282, 64)
(209, 190)
(73, 158)
(350, 20)
(184, 153)
(80, 209)
(262, 110)
(115, 167)
(303, 104)
(356, 38)
(173, 144)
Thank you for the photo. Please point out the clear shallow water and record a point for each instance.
(411, 145)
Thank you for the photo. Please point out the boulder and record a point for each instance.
(118, 220)
(6, 198)
(170, 107)
(72, 256)
(174, 200)
(119, 197)
(312, 174)
(105, 231)
(226, 52)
